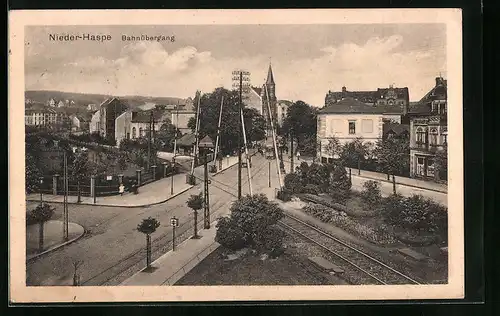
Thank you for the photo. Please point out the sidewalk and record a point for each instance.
(416, 183)
(150, 194)
(173, 265)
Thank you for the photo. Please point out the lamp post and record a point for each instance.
(175, 223)
(40, 189)
(207, 144)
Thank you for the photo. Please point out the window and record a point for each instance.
(420, 135)
(367, 126)
(433, 140)
(445, 138)
(140, 131)
(442, 108)
(133, 132)
(352, 127)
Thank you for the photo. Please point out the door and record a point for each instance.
(420, 166)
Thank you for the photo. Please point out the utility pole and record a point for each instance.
(269, 173)
(239, 76)
(65, 206)
(291, 151)
(239, 140)
(153, 139)
(149, 141)
(175, 147)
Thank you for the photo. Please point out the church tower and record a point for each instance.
(270, 86)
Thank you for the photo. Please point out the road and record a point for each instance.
(112, 234)
(112, 238)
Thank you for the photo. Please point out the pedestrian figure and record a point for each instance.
(121, 188)
(298, 155)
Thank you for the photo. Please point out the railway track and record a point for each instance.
(373, 271)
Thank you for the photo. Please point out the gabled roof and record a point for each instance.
(187, 140)
(257, 90)
(351, 105)
(397, 129)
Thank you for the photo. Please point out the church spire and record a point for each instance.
(270, 78)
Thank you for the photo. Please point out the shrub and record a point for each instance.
(251, 222)
(228, 235)
(293, 182)
(416, 213)
(271, 241)
(371, 195)
(340, 184)
(312, 189)
(381, 234)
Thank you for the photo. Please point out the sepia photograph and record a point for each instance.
(199, 155)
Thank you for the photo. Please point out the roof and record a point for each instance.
(397, 129)
(351, 105)
(371, 96)
(186, 140)
(145, 116)
(107, 101)
(270, 78)
(257, 90)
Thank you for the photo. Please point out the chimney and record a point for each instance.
(344, 89)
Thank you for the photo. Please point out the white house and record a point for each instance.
(79, 123)
(349, 119)
(60, 104)
(52, 103)
(95, 122)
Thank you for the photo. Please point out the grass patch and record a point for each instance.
(224, 267)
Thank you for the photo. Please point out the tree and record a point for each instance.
(252, 223)
(230, 120)
(354, 152)
(80, 170)
(165, 137)
(147, 227)
(33, 173)
(333, 147)
(40, 215)
(393, 156)
(195, 203)
(441, 163)
(340, 184)
(300, 121)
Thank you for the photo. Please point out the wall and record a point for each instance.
(253, 100)
(95, 122)
(183, 119)
(122, 127)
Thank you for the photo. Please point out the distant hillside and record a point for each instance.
(83, 99)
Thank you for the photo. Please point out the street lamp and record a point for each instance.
(175, 223)
(206, 143)
(40, 189)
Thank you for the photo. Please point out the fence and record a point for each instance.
(104, 186)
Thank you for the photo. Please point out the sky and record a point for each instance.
(307, 60)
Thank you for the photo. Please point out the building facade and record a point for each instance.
(41, 115)
(95, 122)
(429, 131)
(79, 123)
(282, 110)
(109, 111)
(349, 119)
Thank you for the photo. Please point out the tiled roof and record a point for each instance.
(351, 105)
(145, 116)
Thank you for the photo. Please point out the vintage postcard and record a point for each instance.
(235, 155)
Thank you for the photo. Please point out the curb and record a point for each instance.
(407, 185)
(125, 206)
(131, 206)
(28, 260)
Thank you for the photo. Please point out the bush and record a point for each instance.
(271, 241)
(371, 194)
(252, 223)
(340, 184)
(312, 189)
(228, 235)
(41, 213)
(293, 183)
(380, 235)
(417, 214)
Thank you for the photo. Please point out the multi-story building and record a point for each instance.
(349, 119)
(109, 111)
(382, 96)
(40, 115)
(428, 131)
(95, 122)
(136, 124)
(257, 98)
(80, 123)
